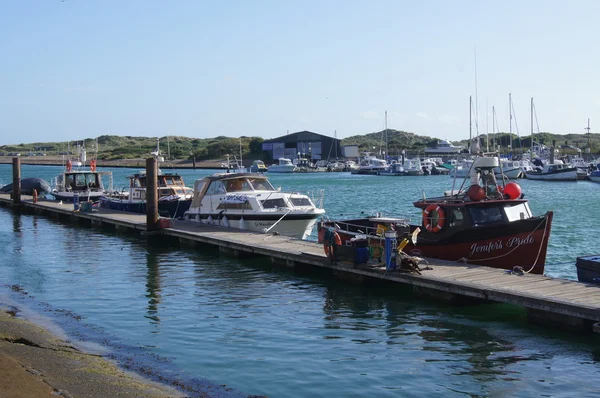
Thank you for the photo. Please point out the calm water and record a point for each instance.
(193, 315)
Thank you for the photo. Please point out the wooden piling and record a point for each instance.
(16, 195)
(151, 195)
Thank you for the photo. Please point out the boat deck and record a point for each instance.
(560, 302)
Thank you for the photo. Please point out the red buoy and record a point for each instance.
(512, 190)
(476, 193)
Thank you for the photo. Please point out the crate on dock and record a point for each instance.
(588, 268)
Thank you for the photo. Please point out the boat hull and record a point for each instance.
(68, 196)
(166, 208)
(521, 243)
(294, 225)
(562, 175)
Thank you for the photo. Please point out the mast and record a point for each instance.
(510, 121)
(487, 127)
(470, 121)
(494, 128)
(588, 133)
(532, 124)
(386, 135)
(168, 149)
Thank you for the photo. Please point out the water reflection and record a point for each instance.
(153, 285)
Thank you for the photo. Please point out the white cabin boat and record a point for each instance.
(553, 172)
(370, 164)
(248, 201)
(444, 146)
(285, 165)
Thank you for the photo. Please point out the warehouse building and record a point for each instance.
(306, 143)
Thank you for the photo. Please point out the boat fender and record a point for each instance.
(93, 165)
(69, 165)
(427, 220)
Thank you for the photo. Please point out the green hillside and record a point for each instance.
(111, 147)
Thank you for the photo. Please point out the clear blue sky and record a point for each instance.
(74, 69)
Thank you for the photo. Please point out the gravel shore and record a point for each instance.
(35, 363)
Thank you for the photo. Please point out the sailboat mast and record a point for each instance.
(470, 121)
(386, 135)
(531, 124)
(588, 133)
(510, 121)
(494, 128)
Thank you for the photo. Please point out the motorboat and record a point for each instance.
(174, 198)
(370, 164)
(412, 167)
(258, 166)
(284, 165)
(336, 166)
(510, 168)
(553, 172)
(350, 165)
(78, 182)
(486, 223)
(461, 168)
(595, 175)
(444, 146)
(248, 201)
(394, 169)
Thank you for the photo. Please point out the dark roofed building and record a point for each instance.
(308, 144)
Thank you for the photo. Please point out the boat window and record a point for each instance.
(273, 203)
(457, 218)
(234, 206)
(260, 184)
(216, 188)
(80, 180)
(169, 181)
(300, 201)
(517, 212)
(238, 184)
(485, 215)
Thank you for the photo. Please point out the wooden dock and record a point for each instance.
(556, 302)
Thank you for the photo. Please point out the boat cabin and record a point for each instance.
(79, 181)
(169, 185)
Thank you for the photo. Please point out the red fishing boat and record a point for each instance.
(485, 224)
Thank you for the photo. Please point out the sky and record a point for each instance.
(73, 69)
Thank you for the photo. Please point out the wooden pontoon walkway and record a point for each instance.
(557, 302)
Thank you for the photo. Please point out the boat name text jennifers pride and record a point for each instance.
(499, 245)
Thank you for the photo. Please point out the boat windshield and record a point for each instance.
(485, 215)
(261, 184)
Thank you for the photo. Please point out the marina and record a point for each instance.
(245, 267)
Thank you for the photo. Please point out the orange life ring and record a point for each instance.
(69, 165)
(93, 165)
(328, 248)
(35, 196)
(427, 220)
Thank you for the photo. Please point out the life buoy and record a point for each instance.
(69, 165)
(35, 196)
(93, 165)
(427, 220)
(329, 242)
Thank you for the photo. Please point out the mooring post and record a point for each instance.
(16, 195)
(151, 195)
(194, 163)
